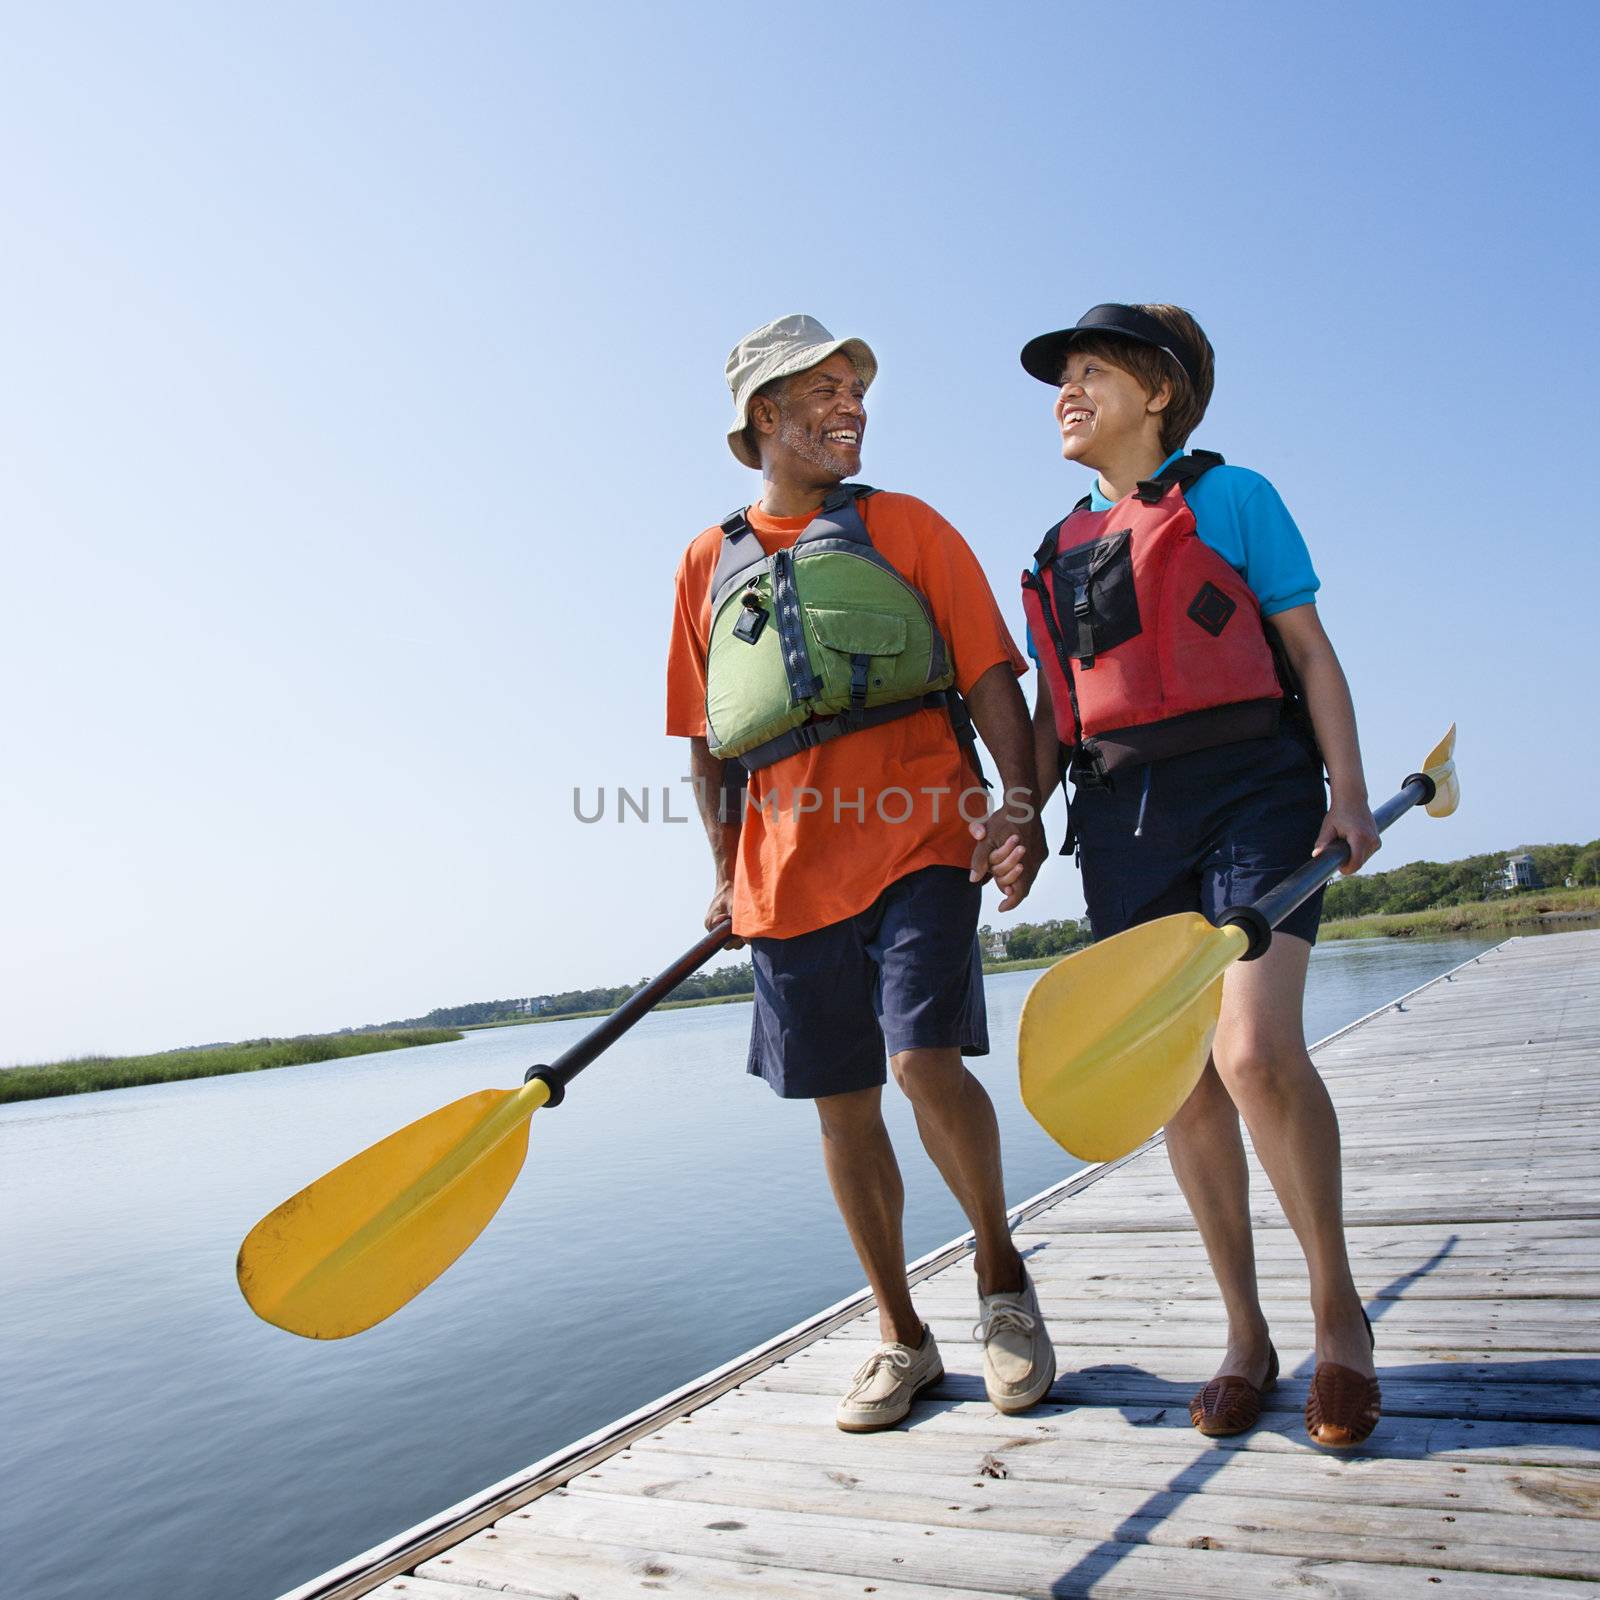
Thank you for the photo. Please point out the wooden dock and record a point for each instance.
(1471, 1112)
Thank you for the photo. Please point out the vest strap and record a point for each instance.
(741, 550)
(1063, 654)
(1046, 553)
(1183, 471)
(826, 729)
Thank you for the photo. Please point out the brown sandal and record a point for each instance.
(1342, 1405)
(1231, 1404)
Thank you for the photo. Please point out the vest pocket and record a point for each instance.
(856, 652)
(857, 633)
(1096, 603)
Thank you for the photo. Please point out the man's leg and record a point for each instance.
(956, 1120)
(1261, 1058)
(1208, 1160)
(871, 1199)
(815, 1035)
(958, 1129)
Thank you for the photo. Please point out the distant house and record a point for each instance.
(994, 946)
(1519, 872)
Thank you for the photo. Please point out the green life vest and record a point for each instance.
(817, 641)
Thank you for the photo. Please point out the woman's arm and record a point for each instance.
(1333, 716)
(1046, 742)
(1006, 860)
(1012, 831)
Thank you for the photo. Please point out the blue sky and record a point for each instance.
(364, 384)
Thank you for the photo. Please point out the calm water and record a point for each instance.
(160, 1443)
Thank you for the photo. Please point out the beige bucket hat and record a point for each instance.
(789, 345)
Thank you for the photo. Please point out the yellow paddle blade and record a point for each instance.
(1114, 1038)
(1441, 767)
(356, 1245)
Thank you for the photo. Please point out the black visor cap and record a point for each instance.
(1042, 357)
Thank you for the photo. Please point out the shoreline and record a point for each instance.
(52, 1079)
(1559, 908)
(1552, 910)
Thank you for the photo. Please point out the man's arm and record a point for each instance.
(1001, 716)
(1333, 715)
(709, 774)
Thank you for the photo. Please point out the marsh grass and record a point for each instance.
(1530, 908)
(121, 1072)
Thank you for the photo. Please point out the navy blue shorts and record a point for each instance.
(1220, 828)
(905, 974)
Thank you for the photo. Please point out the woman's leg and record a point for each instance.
(1261, 1059)
(1207, 1156)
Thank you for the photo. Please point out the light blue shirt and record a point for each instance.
(1243, 518)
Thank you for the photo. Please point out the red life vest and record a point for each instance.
(1151, 643)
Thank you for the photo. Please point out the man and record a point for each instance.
(830, 639)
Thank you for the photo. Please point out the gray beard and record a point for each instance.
(812, 450)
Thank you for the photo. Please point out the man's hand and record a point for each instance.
(1010, 849)
(721, 910)
(1350, 820)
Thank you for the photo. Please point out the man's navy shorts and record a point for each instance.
(905, 974)
(1220, 828)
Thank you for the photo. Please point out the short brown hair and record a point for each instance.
(1153, 368)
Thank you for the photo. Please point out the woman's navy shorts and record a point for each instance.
(905, 974)
(1219, 828)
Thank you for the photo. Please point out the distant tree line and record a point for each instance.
(1026, 941)
(1431, 885)
(734, 980)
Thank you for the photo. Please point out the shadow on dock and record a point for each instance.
(1507, 1377)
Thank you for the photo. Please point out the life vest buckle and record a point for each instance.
(1083, 615)
(858, 680)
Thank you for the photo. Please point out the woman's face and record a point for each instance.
(1100, 408)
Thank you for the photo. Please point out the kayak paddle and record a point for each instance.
(356, 1245)
(1114, 1038)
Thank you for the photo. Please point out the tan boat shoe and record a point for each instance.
(886, 1383)
(1019, 1362)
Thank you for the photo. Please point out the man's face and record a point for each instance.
(822, 418)
(1100, 407)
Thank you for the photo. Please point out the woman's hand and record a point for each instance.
(1350, 820)
(1010, 850)
(1007, 862)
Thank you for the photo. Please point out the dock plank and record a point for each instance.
(1151, 1459)
(960, 1558)
(1172, 1514)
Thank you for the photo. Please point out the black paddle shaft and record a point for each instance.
(1259, 920)
(599, 1039)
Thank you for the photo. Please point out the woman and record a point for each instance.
(1187, 689)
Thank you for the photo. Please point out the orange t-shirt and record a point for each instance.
(825, 831)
